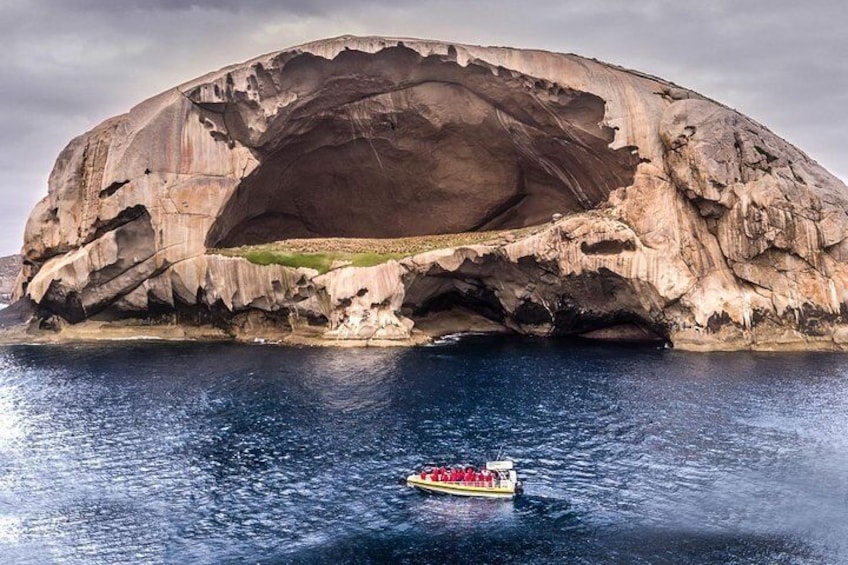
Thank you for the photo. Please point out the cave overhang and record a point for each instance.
(395, 144)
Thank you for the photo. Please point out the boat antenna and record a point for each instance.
(498, 458)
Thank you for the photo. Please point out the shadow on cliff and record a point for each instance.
(396, 144)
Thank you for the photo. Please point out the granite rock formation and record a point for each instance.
(10, 267)
(675, 217)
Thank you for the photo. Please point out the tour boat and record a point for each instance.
(499, 480)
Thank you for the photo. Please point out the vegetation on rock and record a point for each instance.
(324, 254)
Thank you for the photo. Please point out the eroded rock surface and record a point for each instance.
(10, 267)
(677, 218)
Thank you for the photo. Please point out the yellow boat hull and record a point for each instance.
(456, 489)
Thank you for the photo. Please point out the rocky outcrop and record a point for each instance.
(10, 267)
(676, 218)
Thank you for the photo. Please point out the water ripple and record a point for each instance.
(215, 453)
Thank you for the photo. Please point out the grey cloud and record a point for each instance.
(298, 7)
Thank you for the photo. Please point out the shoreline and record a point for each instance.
(105, 332)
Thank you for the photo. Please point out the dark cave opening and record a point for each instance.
(394, 144)
(483, 302)
(616, 326)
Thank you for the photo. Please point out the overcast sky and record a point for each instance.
(66, 65)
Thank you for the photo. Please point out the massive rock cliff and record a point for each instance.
(673, 216)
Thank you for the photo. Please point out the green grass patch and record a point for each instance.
(321, 262)
(322, 253)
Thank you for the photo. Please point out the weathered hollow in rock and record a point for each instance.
(394, 144)
(601, 306)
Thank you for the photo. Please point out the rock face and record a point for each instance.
(10, 267)
(676, 218)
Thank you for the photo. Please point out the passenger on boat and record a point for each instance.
(467, 476)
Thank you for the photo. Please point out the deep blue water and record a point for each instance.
(209, 453)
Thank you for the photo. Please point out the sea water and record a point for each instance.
(210, 453)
